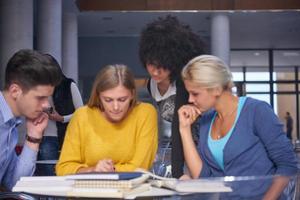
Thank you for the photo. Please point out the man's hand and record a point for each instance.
(36, 127)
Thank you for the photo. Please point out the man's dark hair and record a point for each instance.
(169, 44)
(29, 68)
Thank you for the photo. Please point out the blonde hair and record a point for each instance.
(209, 72)
(110, 77)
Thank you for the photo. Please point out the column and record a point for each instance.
(70, 46)
(16, 30)
(220, 36)
(49, 27)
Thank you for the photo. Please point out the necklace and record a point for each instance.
(219, 135)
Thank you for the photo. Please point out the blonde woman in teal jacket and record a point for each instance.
(239, 136)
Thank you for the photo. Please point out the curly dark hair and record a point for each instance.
(169, 44)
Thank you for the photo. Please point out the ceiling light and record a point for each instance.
(290, 53)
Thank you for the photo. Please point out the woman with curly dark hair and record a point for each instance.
(166, 45)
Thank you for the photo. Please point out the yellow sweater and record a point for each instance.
(131, 143)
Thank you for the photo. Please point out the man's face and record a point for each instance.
(31, 103)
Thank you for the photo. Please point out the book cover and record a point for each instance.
(105, 176)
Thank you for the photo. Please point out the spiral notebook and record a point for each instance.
(108, 192)
(120, 184)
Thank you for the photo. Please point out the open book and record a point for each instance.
(188, 186)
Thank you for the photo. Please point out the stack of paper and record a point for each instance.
(45, 185)
(108, 185)
(116, 185)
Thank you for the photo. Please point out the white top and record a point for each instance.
(51, 129)
(165, 102)
(156, 94)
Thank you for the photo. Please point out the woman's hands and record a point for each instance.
(187, 116)
(104, 165)
(185, 177)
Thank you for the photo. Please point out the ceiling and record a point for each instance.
(259, 30)
(248, 29)
(253, 31)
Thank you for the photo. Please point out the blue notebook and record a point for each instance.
(105, 176)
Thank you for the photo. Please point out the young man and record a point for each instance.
(30, 78)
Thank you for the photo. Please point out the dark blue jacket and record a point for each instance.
(258, 146)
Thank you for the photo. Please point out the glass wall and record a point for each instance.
(286, 67)
(270, 75)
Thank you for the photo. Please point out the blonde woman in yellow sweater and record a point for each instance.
(113, 132)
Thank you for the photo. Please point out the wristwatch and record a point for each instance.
(33, 139)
